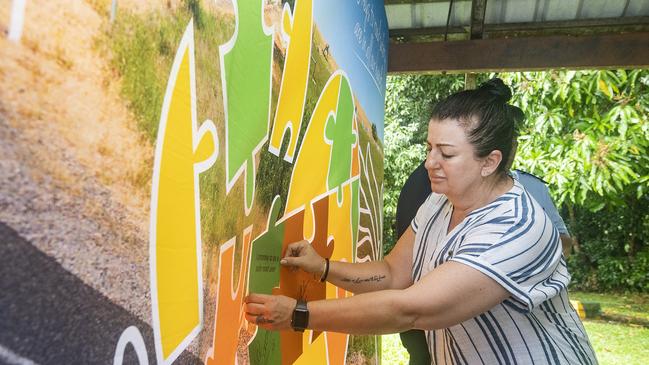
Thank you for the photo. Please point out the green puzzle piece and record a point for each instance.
(263, 277)
(340, 132)
(246, 67)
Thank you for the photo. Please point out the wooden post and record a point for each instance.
(469, 81)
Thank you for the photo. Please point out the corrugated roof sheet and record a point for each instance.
(431, 13)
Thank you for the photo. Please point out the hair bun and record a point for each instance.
(497, 88)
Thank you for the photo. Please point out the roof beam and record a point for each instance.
(630, 50)
(625, 24)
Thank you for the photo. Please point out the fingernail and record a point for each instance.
(282, 261)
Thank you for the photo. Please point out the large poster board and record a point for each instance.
(156, 157)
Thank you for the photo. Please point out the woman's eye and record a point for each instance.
(445, 156)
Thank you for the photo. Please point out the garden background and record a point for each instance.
(586, 134)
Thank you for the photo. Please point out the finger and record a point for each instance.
(290, 261)
(254, 308)
(257, 298)
(251, 318)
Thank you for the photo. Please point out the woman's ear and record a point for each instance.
(491, 163)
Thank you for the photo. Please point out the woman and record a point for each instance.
(480, 268)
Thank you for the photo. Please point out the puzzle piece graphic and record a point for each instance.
(297, 27)
(263, 277)
(340, 225)
(182, 152)
(229, 318)
(298, 284)
(341, 230)
(342, 135)
(246, 62)
(309, 176)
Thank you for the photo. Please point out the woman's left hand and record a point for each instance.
(270, 312)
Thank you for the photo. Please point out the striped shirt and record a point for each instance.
(512, 241)
(539, 191)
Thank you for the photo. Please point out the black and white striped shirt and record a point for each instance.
(513, 242)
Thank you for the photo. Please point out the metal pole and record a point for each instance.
(17, 20)
(113, 11)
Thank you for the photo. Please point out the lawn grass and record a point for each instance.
(620, 336)
(618, 343)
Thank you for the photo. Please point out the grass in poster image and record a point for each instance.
(142, 48)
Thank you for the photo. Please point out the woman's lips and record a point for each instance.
(436, 178)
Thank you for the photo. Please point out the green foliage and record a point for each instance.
(586, 133)
(392, 351)
(609, 258)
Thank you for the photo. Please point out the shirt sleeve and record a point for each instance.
(521, 252)
(540, 192)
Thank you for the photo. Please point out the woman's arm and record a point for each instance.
(394, 272)
(450, 294)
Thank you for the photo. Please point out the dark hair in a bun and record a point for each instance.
(484, 113)
(497, 88)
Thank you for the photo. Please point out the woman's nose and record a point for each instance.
(431, 161)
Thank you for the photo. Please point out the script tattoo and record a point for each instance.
(358, 280)
(262, 320)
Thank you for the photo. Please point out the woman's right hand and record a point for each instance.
(301, 254)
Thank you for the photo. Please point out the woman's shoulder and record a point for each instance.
(515, 209)
(527, 215)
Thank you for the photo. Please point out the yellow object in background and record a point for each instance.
(579, 308)
(587, 309)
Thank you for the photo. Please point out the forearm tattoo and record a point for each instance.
(261, 320)
(359, 280)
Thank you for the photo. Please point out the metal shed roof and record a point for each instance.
(516, 34)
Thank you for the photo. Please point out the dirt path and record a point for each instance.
(73, 170)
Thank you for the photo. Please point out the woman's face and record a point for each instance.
(451, 163)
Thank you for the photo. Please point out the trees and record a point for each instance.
(586, 134)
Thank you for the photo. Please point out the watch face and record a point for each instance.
(300, 319)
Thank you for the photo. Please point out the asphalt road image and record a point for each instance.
(49, 316)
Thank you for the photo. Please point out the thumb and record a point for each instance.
(290, 261)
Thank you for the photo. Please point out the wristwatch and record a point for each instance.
(300, 319)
